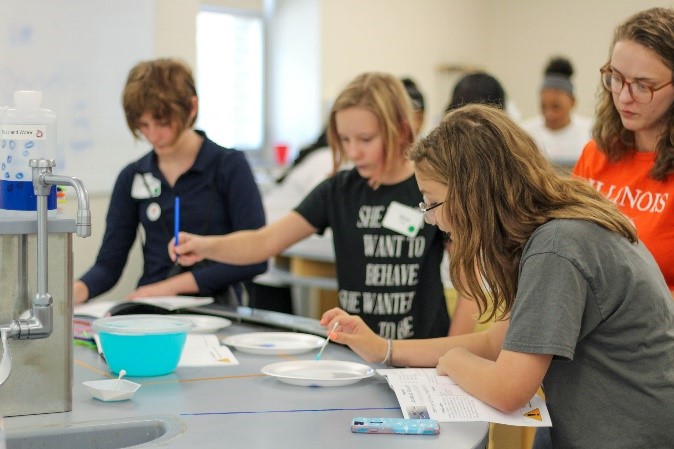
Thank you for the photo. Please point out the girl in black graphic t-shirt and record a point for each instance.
(388, 260)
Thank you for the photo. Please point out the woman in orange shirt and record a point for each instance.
(631, 158)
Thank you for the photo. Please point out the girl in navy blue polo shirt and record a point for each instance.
(217, 190)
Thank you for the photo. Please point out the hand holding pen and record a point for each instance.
(176, 222)
(190, 246)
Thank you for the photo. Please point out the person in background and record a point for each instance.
(320, 143)
(581, 304)
(387, 262)
(477, 88)
(560, 133)
(418, 104)
(631, 157)
(311, 166)
(217, 191)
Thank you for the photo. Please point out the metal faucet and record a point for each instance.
(40, 322)
(43, 179)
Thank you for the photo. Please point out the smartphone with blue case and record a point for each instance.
(395, 425)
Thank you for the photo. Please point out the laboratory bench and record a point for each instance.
(237, 406)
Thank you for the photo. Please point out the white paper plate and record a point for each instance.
(318, 373)
(205, 324)
(273, 343)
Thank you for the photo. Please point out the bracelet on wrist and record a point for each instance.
(389, 353)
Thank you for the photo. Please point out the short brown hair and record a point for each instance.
(165, 88)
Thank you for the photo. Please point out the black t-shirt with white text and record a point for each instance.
(392, 281)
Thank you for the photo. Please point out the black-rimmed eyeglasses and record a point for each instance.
(423, 207)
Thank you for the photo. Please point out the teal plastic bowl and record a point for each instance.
(142, 345)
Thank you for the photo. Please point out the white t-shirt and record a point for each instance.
(300, 181)
(562, 145)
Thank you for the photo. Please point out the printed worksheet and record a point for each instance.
(205, 350)
(422, 393)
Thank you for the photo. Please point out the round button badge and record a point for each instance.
(153, 212)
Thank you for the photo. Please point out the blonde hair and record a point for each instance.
(654, 30)
(385, 96)
(165, 88)
(500, 190)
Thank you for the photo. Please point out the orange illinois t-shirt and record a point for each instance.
(647, 202)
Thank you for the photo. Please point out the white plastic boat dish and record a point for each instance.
(112, 389)
(273, 343)
(318, 373)
(205, 324)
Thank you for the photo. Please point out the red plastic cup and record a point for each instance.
(281, 154)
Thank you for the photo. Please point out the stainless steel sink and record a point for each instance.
(110, 434)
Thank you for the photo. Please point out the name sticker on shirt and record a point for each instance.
(145, 186)
(403, 219)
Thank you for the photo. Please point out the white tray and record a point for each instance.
(318, 373)
(274, 343)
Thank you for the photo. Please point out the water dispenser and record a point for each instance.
(36, 307)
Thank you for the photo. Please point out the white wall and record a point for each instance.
(511, 39)
(522, 35)
(403, 37)
(293, 73)
(330, 41)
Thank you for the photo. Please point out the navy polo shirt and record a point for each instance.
(218, 195)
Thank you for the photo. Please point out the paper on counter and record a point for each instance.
(422, 393)
(205, 350)
(200, 350)
(99, 309)
(176, 302)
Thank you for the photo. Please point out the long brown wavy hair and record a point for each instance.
(500, 190)
(653, 29)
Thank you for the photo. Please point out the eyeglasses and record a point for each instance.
(423, 207)
(640, 92)
(429, 218)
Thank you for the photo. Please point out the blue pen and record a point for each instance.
(176, 219)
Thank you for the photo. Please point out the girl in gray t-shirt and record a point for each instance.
(581, 305)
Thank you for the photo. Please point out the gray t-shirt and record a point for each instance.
(600, 306)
